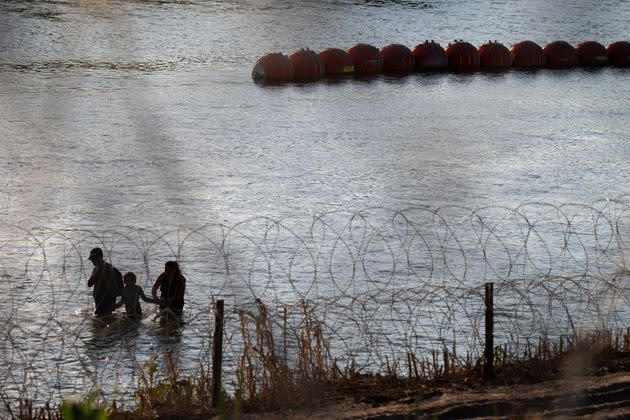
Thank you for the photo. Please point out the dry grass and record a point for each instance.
(267, 381)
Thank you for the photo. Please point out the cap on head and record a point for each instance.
(95, 253)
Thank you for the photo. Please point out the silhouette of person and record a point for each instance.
(131, 295)
(172, 285)
(104, 280)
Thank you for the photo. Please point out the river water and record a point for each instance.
(137, 122)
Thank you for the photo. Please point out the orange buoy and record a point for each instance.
(462, 56)
(619, 53)
(397, 58)
(336, 61)
(308, 66)
(273, 68)
(494, 55)
(527, 54)
(560, 54)
(367, 59)
(591, 53)
(430, 56)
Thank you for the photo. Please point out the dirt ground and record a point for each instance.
(598, 397)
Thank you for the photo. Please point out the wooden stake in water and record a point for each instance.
(489, 350)
(217, 353)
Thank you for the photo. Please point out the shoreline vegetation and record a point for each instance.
(266, 386)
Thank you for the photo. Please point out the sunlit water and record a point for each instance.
(118, 116)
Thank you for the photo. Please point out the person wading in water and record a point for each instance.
(130, 297)
(172, 286)
(107, 282)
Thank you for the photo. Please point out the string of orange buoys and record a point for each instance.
(305, 65)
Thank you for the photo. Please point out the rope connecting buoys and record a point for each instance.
(560, 54)
(430, 56)
(462, 56)
(397, 58)
(366, 60)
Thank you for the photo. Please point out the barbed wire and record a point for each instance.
(381, 283)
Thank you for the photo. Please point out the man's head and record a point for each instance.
(96, 256)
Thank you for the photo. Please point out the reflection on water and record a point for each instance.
(169, 327)
(110, 331)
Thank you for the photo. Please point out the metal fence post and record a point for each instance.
(489, 350)
(217, 353)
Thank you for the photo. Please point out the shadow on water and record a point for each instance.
(593, 69)
(109, 331)
(399, 78)
(462, 77)
(429, 78)
(366, 80)
(493, 74)
(336, 80)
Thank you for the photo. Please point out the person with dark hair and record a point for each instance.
(131, 295)
(104, 278)
(172, 286)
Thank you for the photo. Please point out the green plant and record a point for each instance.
(82, 409)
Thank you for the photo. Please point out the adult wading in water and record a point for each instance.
(172, 286)
(106, 281)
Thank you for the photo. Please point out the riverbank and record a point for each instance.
(587, 378)
(586, 387)
(601, 397)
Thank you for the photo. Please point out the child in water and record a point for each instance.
(131, 295)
